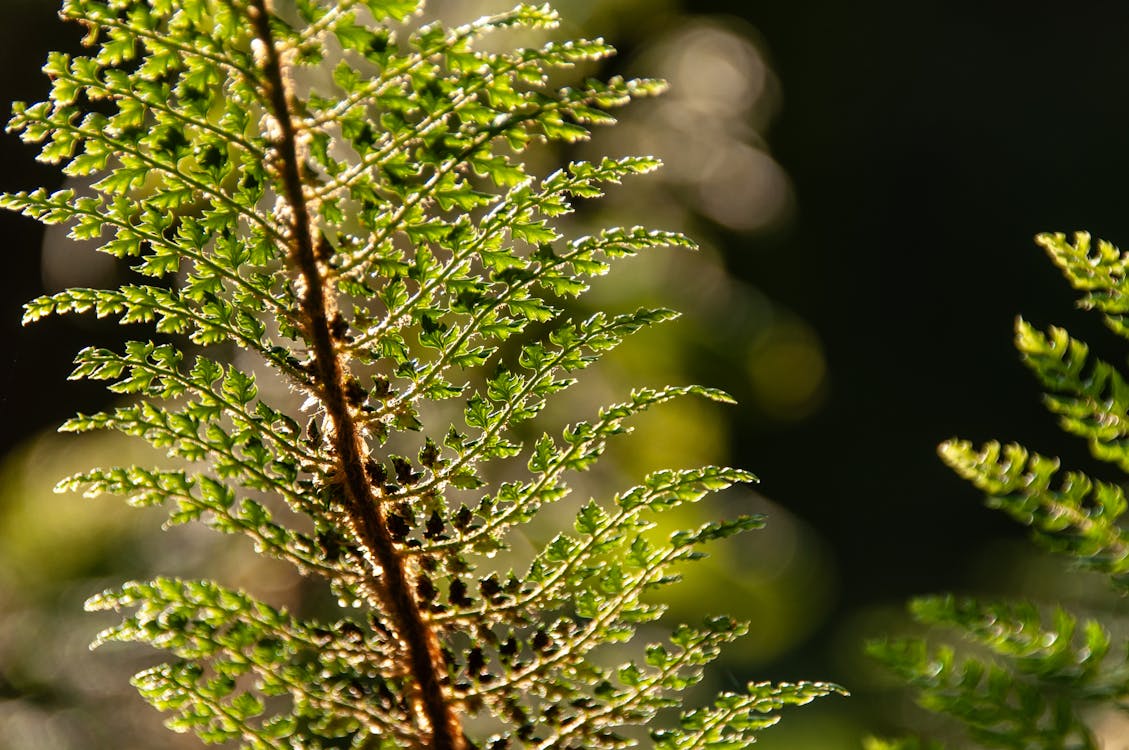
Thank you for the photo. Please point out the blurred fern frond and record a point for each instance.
(1040, 676)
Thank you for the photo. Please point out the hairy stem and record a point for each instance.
(362, 501)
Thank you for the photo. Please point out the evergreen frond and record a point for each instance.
(735, 718)
(1034, 689)
(1068, 511)
(1090, 396)
(1031, 675)
(336, 191)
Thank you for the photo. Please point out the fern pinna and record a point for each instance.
(332, 187)
(1043, 677)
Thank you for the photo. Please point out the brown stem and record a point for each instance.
(362, 503)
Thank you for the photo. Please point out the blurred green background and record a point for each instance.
(864, 179)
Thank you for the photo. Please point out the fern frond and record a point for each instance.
(1090, 396)
(1098, 271)
(1035, 689)
(221, 635)
(335, 190)
(1070, 513)
(735, 718)
(516, 503)
(1034, 677)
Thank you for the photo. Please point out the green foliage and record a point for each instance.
(334, 190)
(1032, 676)
(902, 743)
(734, 719)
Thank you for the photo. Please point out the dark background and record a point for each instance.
(927, 143)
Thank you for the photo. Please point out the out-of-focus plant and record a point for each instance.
(1029, 675)
(331, 189)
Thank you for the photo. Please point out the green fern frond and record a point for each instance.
(1098, 271)
(1090, 396)
(1032, 676)
(335, 190)
(1068, 511)
(735, 718)
(1035, 688)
